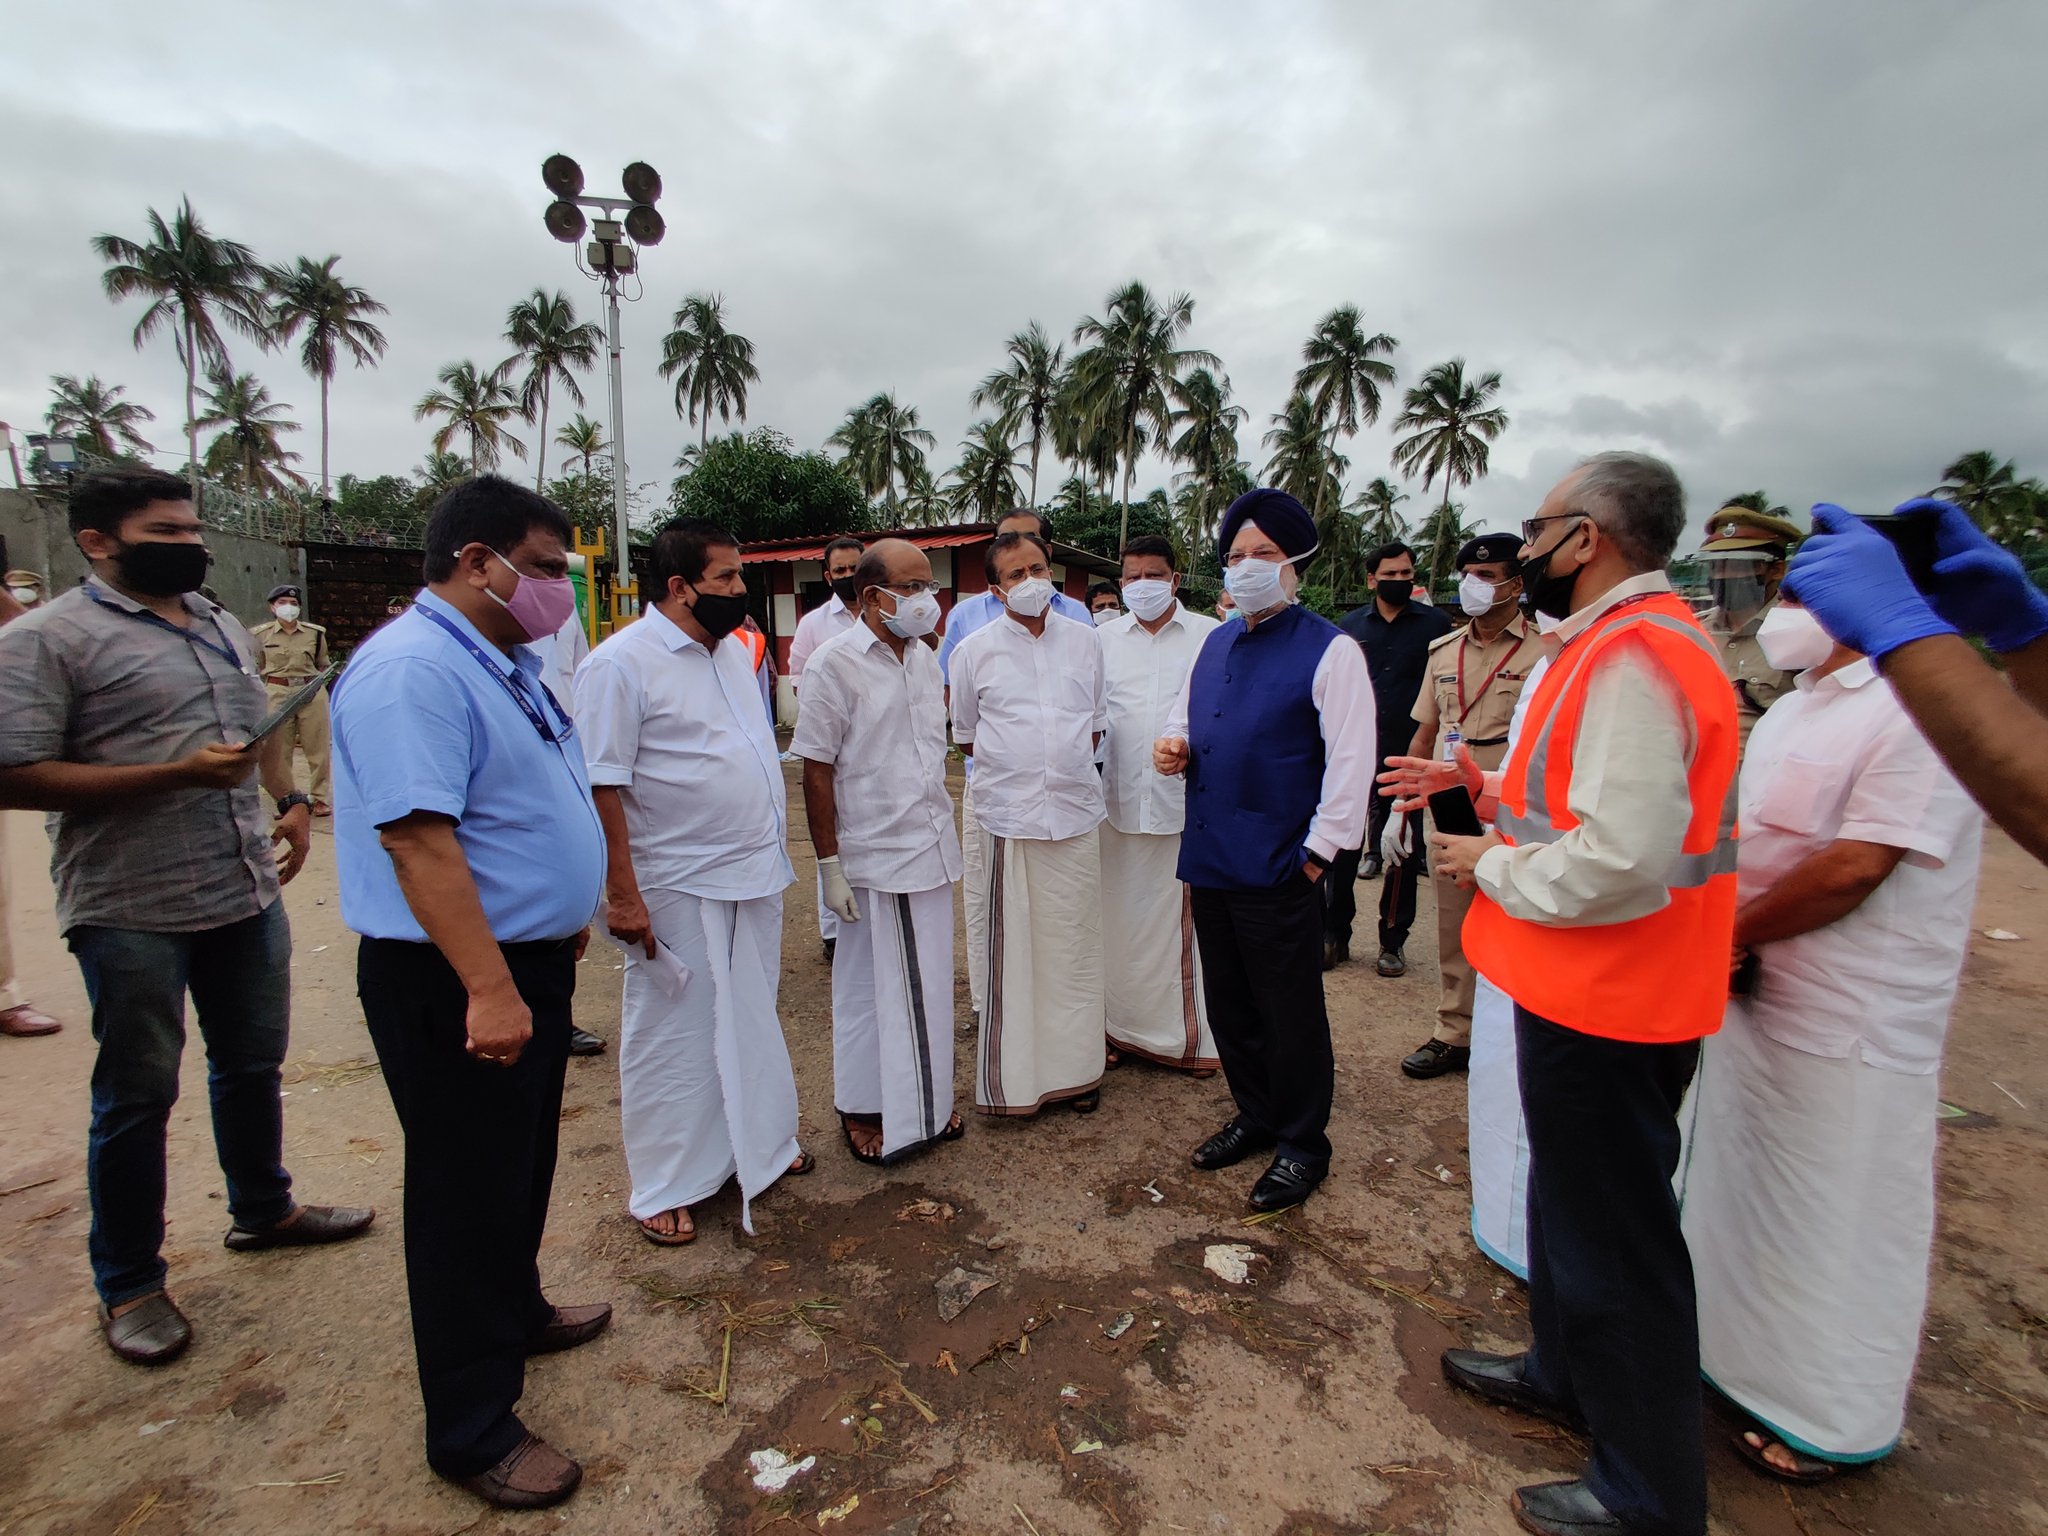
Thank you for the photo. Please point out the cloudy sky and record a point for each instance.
(1789, 246)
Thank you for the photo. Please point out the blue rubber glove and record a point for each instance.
(1982, 589)
(1851, 579)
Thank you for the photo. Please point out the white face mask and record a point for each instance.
(1104, 616)
(915, 617)
(1148, 597)
(289, 612)
(1255, 585)
(1476, 595)
(1792, 639)
(26, 596)
(1030, 597)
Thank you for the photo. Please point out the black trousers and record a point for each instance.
(1611, 1296)
(479, 1166)
(1399, 883)
(1262, 974)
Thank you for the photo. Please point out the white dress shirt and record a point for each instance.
(1348, 721)
(560, 655)
(972, 613)
(880, 724)
(1635, 743)
(678, 729)
(1030, 706)
(1143, 673)
(813, 630)
(1839, 759)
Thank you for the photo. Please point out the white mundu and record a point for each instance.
(880, 724)
(1807, 1185)
(705, 1087)
(1030, 707)
(1152, 976)
(827, 621)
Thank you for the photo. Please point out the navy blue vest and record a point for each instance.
(1255, 751)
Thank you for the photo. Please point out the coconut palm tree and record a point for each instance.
(1341, 372)
(1024, 393)
(1199, 504)
(308, 296)
(880, 444)
(1442, 534)
(1205, 424)
(582, 437)
(195, 283)
(924, 505)
(1450, 420)
(1757, 501)
(247, 455)
(1303, 463)
(95, 417)
(711, 365)
(442, 471)
(1122, 378)
(1377, 510)
(2007, 508)
(985, 480)
(552, 347)
(478, 405)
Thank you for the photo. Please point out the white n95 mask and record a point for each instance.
(1030, 597)
(1148, 597)
(1792, 639)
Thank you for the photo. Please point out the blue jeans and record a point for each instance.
(239, 976)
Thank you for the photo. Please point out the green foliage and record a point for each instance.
(760, 487)
(1098, 530)
(711, 365)
(95, 417)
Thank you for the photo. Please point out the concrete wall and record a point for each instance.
(38, 538)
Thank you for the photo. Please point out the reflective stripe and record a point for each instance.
(1687, 869)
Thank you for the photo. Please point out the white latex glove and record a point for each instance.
(838, 894)
(1398, 840)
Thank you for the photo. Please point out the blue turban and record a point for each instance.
(1280, 517)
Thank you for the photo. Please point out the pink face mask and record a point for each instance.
(537, 605)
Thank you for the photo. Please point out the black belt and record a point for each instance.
(1491, 741)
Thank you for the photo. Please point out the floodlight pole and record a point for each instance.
(622, 563)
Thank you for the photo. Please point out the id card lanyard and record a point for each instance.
(519, 697)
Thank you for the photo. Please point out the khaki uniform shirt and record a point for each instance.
(1487, 676)
(1758, 684)
(294, 655)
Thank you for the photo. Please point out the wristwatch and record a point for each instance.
(296, 797)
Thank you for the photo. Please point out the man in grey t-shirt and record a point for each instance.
(125, 705)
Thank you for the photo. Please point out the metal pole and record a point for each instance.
(622, 554)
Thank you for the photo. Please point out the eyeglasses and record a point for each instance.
(1530, 525)
(910, 588)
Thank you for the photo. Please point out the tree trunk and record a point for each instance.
(191, 413)
(540, 453)
(1035, 444)
(324, 492)
(1123, 531)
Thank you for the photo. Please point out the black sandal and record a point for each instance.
(866, 1123)
(1087, 1103)
(805, 1163)
(1805, 1471)
(955, 1128)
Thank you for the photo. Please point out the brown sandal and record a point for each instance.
(674, 1239)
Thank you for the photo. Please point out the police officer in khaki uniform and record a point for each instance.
(1475, 674)
(27, 588)
(1745, 557)
(293, 653)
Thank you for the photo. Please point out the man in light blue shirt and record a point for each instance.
(971, 613)
(471, 863)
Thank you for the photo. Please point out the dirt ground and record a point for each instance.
(1105, 1382)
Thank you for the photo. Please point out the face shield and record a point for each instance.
(1741, 581)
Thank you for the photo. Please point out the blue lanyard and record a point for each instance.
(225, 650)
(519, 697)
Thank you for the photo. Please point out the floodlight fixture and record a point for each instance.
(60, 453)
(644, 225)
(642, 182)
(562, 176)
(564, 220)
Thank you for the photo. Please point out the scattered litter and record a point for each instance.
(1152, 1189)
(1086, 1446)
(2003, 935)
(2009, 1094)
(933, 1211)
(157, 1428)
(957, 1287)
(1070, 1393)
(1445, 1175)
(1120, 1327)
(773, 1470)
(318, 949)
(1230, 1262)
(947, 1361)
(838, 1511)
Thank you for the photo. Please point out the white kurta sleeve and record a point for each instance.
(1177, 715)
(1342, 691)
(961, 681)
(1630, 795)
(609, 710)
(821, 723)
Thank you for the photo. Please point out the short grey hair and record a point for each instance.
(1636, 500)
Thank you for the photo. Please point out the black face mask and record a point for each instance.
(1544, 591)
(157, 568)
(719, 612)
(1395, 594)
(846, 591)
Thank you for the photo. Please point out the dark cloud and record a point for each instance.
(1787, 246)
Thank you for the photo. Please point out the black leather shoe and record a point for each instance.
(1288, 1182)
(1498, 1379)
(569, 1327)
(1561, 1509)
(583, 1043)
(1391, 963)
(1233, 1144)
(152, 1332)
(1434, 1059)
(309, 1226)
(1369, 868)
(1335, 953)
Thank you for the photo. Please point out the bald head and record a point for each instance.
(891, 562)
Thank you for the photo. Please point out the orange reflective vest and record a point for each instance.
(757, 645)
(1657, 979)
